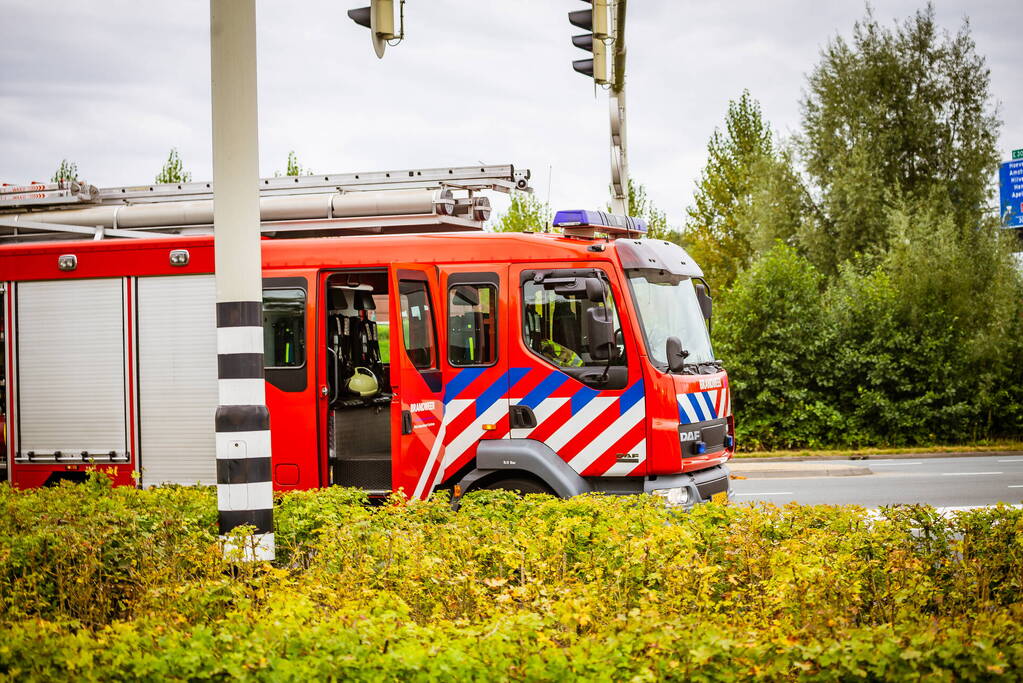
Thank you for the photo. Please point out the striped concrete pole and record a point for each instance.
(244, 490)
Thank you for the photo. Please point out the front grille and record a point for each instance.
(710, 432)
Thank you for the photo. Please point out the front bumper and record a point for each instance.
(698, 487)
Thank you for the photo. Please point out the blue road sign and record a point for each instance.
(1010, 180)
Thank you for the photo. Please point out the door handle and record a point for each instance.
(521, 417)
(406, 422)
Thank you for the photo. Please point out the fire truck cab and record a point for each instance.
(407, 360)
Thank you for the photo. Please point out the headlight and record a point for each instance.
(674, 496)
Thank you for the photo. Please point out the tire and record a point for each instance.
(520, 486)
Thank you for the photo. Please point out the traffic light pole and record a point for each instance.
(244, 489)
(619, 158)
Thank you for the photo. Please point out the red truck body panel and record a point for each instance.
(630, 431)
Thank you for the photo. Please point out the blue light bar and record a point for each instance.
(606, 222)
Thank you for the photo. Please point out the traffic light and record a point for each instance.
(595, 21)
(379, 19)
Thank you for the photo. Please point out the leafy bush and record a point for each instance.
(773, 336)
(918, 345)
(88, 552)
(923, 340)
(594, 587)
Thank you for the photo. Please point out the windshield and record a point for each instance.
(668, 307)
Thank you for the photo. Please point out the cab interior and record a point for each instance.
(359, 379)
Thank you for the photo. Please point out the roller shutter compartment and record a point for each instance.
(71, 371)
(177, 361)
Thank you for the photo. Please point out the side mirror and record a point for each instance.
(590, 287)
(675, 353)
(706, 302)
(601, 333)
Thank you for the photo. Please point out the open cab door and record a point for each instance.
(417, 407)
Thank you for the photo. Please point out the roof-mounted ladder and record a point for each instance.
(421, 200)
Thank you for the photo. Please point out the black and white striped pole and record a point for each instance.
(244, 489)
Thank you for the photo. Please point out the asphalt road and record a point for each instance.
(941, 482)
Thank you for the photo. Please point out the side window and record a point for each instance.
(417, 323)
(472, 325)
(556, 322)
(283, 328)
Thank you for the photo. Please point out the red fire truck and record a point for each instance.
(406, 348)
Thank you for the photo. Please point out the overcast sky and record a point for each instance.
(113, 85)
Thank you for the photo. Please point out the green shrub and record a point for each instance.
(595, 587)
(889, 376)
(921, 344)
(87, 552)
(773, 337)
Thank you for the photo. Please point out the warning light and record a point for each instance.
(582, 223)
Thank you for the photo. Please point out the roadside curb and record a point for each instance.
(877, 456)
(751, 470)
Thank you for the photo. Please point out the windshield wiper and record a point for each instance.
(702, 368)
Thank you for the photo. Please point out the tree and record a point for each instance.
(719, 231)
(68, 170)
(895, 114)
(780, 208)
(526, 213)
(293, 168)
(173, 170)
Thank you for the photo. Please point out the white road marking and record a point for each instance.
(1011, 460)
(966, 474)
(767, 493)
(944, 511)
(875, 513)
(893, 464)
(1016, 486)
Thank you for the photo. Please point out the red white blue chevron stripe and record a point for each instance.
(588, 428)
(699, 406)
(473, 397)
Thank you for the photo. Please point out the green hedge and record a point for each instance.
(100, 583)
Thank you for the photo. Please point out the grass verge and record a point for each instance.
(984, 447)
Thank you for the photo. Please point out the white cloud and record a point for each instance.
(114, 85)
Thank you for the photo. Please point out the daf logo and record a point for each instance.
(689, 436)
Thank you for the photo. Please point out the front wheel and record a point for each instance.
(520, 486)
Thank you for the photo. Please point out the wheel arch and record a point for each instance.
(523, 458)
(495, 476)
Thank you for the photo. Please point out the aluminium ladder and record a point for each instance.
(48, 211)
